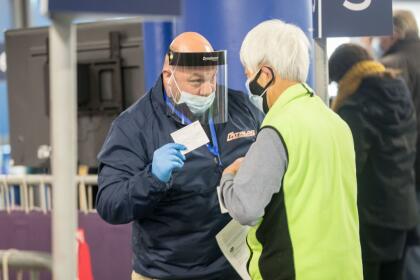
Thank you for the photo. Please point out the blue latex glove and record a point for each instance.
(167, 159)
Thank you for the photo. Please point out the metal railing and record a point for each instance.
(24, 261)
(34, 192)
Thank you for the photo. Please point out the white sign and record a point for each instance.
(352, 18)
(192, 136)
(357, 6)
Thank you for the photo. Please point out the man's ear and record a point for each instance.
(266, 75)
(166, 75)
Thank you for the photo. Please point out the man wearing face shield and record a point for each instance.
(169, 197)
(195, 80)
(296, 187)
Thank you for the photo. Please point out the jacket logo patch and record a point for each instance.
(241, 134)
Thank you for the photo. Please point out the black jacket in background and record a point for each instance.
(405, 55)
(383, 122)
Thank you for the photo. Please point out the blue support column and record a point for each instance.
(157, 37)
(225, 24)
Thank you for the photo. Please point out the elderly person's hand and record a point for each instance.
(234, 167)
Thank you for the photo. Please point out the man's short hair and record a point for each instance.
(282, 46)
(405, 24)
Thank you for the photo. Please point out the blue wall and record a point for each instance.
(158, 36)
(36, 19)
(5, 17)
(5, 23)
(225, 23)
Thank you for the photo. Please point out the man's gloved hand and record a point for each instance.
(166, 159)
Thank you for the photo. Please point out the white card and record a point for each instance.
(192, 136)
(232, 242)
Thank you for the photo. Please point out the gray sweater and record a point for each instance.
(247, 194)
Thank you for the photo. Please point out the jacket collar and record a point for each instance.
(158, 102)
(292, 93)
(156, 94)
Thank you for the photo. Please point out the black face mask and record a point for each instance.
(256, 89)
(265, 104)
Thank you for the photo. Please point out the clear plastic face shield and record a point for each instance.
(197, 88)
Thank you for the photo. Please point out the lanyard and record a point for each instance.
(213, 149)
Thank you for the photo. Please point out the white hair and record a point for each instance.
(282, 46)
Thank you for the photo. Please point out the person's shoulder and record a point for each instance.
(362, 96)
(237, 100)
(379, 95)
(354, 103)
(394, 60)
(240, 101)
(387, 82)
(136, 116)
(237, 95)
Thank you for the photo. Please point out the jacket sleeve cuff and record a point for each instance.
(156, 184)
(225, 178)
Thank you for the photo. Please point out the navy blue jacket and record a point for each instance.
(174, 224)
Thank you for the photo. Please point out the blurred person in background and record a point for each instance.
(378, 108)
(401, 50)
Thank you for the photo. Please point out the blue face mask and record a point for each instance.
(377, 49)
(257, 100)
(196, 103)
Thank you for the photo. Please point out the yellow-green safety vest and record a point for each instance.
(310, 229)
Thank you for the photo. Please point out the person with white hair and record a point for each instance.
(296, 186)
